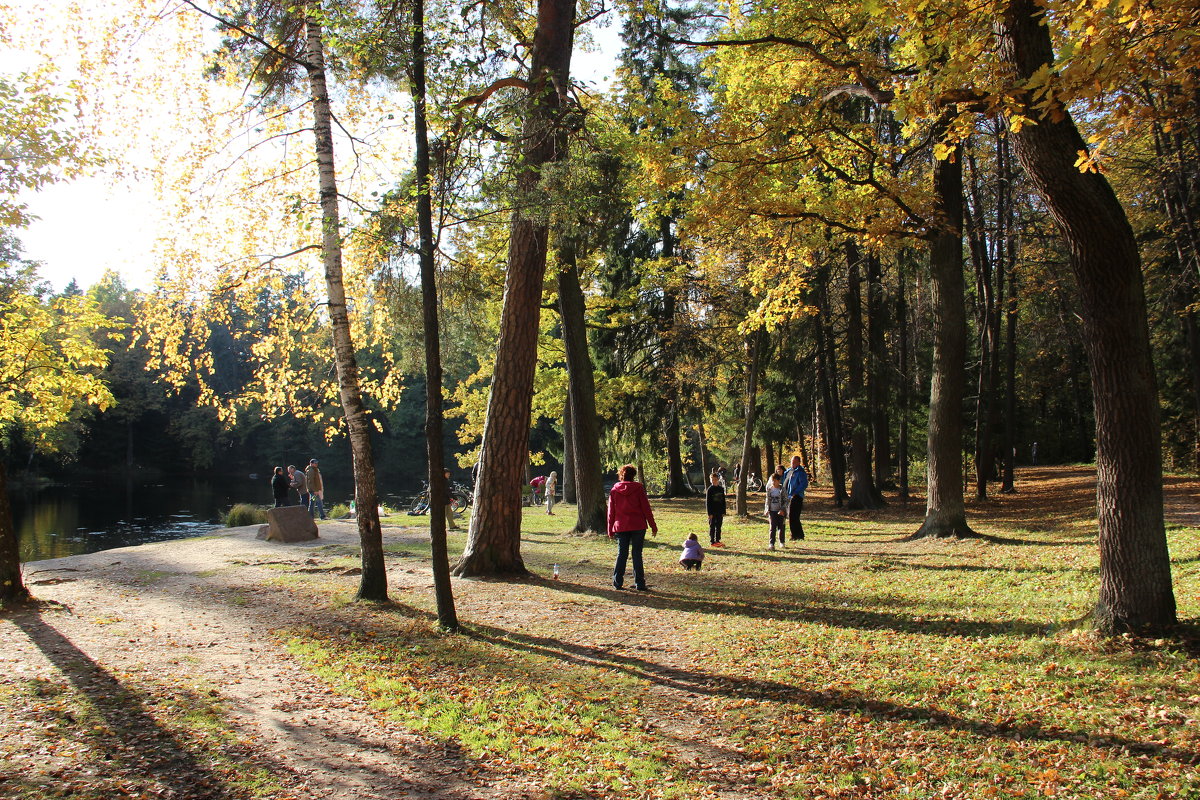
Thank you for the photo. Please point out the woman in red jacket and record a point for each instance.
(629, 515)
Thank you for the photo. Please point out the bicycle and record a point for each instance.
(460, 498)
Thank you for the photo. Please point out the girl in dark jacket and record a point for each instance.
(629, 515)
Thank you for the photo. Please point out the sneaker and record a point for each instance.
(772, 545)
(642, 588)
(618, 586)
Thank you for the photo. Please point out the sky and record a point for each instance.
(94, 224)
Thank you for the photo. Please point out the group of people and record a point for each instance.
(630, 516)
(306, 483)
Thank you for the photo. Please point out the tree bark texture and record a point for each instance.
(585, 423)
(373, 582)
(903, 394)
(12, 587)
(877, 375)
(494, 541)
(438, 487)
(754, 348)
(831, 403)
(945, 511)
(568, 473)
(1008, 221)
(1135, 571)
(863, 492)
(677, 485)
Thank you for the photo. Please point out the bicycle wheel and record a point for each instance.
(420, 503)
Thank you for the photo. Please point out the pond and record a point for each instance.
(59, 520)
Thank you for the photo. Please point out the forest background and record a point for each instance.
(748, 225)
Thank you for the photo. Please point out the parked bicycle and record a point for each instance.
(460, 498)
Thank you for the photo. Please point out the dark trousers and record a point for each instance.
(777, 525)
(280, 502)
(630, 542)
(690, 563)
(795, 506)
(714, 528)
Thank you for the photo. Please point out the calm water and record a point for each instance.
(66, 520)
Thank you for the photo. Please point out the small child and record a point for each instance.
(774, 506)
(715, 505)
(693, 553)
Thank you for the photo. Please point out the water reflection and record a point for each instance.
(61, 521)
(65, 520)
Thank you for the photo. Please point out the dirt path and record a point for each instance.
(195, 610)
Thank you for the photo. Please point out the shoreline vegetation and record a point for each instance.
(850, 665)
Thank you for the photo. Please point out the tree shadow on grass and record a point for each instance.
(137, 737)
(835, 700)
(770, 604)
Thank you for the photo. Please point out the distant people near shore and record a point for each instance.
(550, 489)
(693, 553)
(716, 505)
(629, 516)
(298, 482)
(795, 483)
(316, 489)
(773, 505)
(280, 487)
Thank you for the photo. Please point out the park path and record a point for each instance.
(175, 611)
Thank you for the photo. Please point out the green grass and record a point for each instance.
(245, 514)
(858, 666)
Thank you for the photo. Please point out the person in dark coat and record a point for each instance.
(280, 487)
(716, 506)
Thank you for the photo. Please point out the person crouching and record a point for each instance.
(693, 553)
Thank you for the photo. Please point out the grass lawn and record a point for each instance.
(850, 665)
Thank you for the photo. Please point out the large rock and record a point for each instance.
(289, 524)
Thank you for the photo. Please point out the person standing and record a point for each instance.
(629, 516)
(795, 482)
(450, 523)
(298, 482)
(773, 505)
(316, 489)
(551, 487)
(279, 487)
(716, 505)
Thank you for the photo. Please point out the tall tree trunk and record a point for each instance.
(373, 582)
(1135, 569)
(984, 269)
(676, 482)
(494, 542)
(945, 511)
(1005, 177)
(827, 374)
(877, 374)
(863, 492)
(754, 348)
(902, 399)
(703, 445)
(12, 587)
(585, 424)
(568, 474)
(438, 488)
